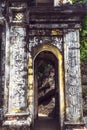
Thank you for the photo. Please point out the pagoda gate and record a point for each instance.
(34, 34)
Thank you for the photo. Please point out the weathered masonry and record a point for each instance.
(34, 34)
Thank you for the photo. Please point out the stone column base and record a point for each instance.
(74, 126)
(17, 123)
(16, 128)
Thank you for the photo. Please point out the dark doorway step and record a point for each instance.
(46, 124)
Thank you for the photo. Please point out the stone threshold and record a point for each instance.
(20, 122)
(17, 114)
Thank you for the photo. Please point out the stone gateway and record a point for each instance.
(40, 79)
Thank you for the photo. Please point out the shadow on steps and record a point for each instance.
(46, 124)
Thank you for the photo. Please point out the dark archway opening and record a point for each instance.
(46, 91)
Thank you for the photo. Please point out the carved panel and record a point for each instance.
(72, 76)
(43, 36)
(18, 70)
(18, 13)
(38, 40)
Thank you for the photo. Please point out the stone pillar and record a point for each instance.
(18, 71)
(16, 86)
(73, 90)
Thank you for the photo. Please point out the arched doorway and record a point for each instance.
(46, 81)
(50, 56)
(46, 90)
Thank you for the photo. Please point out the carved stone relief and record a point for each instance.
(18, 70)
(55, 40)
(72, 77)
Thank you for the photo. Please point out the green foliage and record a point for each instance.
(80, 1)
(83, 39)
(83, 35)
(43, 70)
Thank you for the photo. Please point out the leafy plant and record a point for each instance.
(83, 35)
(75, 1)
(83, 39)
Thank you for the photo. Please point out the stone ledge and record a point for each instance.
(21, 122)
(17, 114)
(74, 126)
(72, 123)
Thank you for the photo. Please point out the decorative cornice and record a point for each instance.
(79, 9)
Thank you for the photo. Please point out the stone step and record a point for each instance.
(46, 124)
